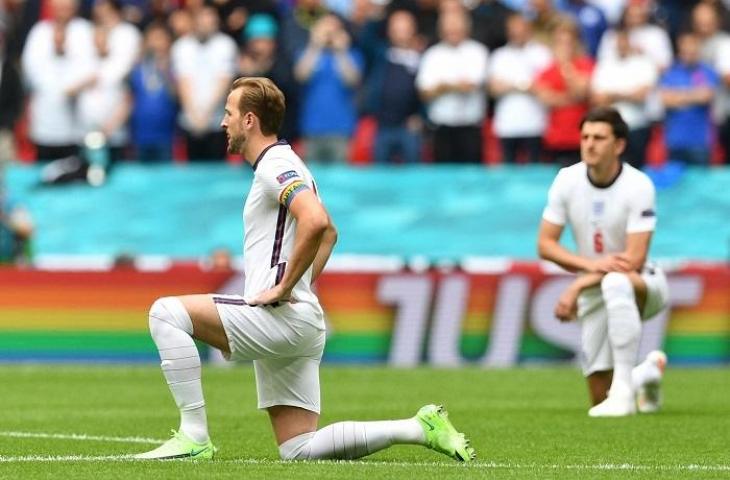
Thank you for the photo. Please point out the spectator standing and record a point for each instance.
(688, 90)
(563, 88)
(154, 97)
(592, 23)
(236, 14)
(451, 81)
(261, 56)
(181, 23)
(625, 82)
(11, 101)
(427, 14)
(391, 94)
(490, 23)
(519, 116)
(104, 105)
(296, 26)
(544, 18)
(204, 64)
(329, 71)
(612, 9)
(58, 62)
(715, 51)
(645, 37)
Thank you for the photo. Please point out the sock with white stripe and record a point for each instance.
(171, 330)
(350, 440)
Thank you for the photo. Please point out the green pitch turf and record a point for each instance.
(524, 423)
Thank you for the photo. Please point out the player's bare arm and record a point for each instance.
(632, 259)
(312, 223)
(325, 250)
(567, 307)
(549, 248)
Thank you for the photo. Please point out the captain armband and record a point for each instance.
(291, 191)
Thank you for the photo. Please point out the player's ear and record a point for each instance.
(248, 120)
(620, 146)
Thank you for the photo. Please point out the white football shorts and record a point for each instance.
(596, 351)
(286, 345)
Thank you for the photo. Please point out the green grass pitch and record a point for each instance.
(525, 423)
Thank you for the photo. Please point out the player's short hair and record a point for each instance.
(608, 115)
(263, 98)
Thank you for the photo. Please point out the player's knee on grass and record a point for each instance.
(171, 311)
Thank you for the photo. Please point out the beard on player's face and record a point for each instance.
(235, 143)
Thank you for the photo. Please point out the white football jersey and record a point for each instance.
(600, 217)
(269, 229)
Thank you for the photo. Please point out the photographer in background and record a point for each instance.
(329, 71)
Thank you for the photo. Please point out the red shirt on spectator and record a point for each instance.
(563, 127)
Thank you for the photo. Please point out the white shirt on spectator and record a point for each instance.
(204, 63)
(101, 100)
(444, 63)
(519, 114)
(125, 43)
(716, 53)
(651, 40)
(623, 76)
(49, 76)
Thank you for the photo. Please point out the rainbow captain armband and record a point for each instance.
(291, 191)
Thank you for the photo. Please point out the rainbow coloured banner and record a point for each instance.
(402, 318)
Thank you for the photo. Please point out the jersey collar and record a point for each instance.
(263, 152)
(613, 180)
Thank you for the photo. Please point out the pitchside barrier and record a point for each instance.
(491, 314)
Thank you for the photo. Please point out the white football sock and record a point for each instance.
(171, 330)
(624, 328)
(350, 440)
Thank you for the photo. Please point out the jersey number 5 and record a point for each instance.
(598, 242)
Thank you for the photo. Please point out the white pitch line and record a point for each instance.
(64, 458)
(81, 437)
(468, 466)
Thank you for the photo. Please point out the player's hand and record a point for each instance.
(271, 297)
(609, 263)
(567, 306)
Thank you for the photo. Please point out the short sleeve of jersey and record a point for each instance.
(556, 209)
(281, 181)
(642, 209)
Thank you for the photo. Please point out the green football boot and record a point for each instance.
(441, 435)
(178, 447)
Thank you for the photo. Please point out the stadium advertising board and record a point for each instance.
(494, 319)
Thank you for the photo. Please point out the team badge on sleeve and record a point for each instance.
(286, 176)
(648, 213)
(291, 191)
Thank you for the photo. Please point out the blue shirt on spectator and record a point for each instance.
(327, 102)
(592, 23)
(155, 108)
(690, 126)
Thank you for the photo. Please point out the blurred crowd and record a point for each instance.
(434, 76)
